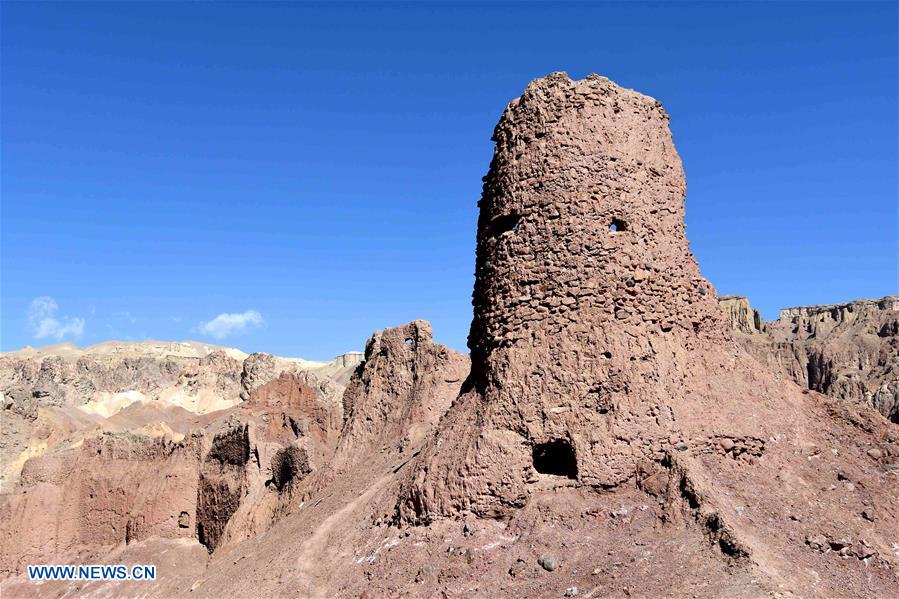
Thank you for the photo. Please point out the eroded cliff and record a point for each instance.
(848, 351)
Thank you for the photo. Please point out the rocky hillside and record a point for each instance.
(610, 434)
(99, 477)
(198, 377)
(122, 442)
(848, 351)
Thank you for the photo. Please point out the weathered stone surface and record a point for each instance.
(741, 316)
(405, 386)
(260, 451)
(198, 377)
(113, 489)
(87, 426)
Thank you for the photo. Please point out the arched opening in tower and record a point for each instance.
(556, 458)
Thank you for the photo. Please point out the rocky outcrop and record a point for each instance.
(67, 375)
(350, 359)
(201, 378)
(222, 483)
(56, 381)
(125, 487)
(291, 410)
(406, 384)
(283, 433)
(98, 463)
(848, 351)
(258, 369)
(288, 465)
(96, 383)
(740, 315)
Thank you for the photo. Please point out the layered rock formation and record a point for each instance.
(199, 377)
(82, 386)
(848, 351)
(153, 471)
(319, 526)
(85, 500)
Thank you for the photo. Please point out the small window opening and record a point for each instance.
(617, 225)
(408, 342)
(503, 224)
(556, 458)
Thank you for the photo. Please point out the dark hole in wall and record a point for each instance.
(618, 225)
(688, 493)
(502, 224)
(555, 457)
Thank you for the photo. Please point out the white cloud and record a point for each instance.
(43, 321)
(228, 324)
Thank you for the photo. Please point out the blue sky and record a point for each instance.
(291, 177)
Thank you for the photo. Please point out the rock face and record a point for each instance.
(98, 382)
(201, 378)
(149, 469)
(218, 481)
(848, 351)
(741, 316)
(114, 489)
(222, 483)
(405, 387)
(260, 452)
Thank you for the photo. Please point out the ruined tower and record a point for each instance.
(592, 324)
(600, 361)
